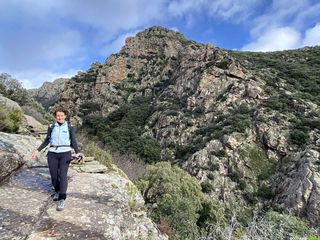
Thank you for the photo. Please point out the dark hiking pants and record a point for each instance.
(58, 166)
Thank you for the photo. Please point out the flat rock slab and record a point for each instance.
(98, 206)
(22, 200)
(91, 167)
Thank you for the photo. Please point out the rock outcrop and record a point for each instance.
(8, 104)
(297, 185)
(14, 151)
(30, 125)
(49, 92)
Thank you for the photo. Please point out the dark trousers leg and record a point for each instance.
(58, 166)
(53, 163)
(64, 162)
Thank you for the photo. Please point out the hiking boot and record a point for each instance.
(60, 205)
(55, 197)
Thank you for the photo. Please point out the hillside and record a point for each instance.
(245, 125)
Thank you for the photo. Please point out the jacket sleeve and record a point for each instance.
(45, 142)
(74, 143)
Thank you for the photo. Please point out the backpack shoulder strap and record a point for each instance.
(51, 127)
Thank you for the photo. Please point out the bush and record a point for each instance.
(298, 137)
(265, 192)
(206, 187)
(10, 121)
(175, 196)
(212, 212)
(291, 226)
(102, 156)
(151, 150)
(122, 131)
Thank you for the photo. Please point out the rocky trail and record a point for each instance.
(101, 204)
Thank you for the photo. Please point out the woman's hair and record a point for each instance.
(60, 109)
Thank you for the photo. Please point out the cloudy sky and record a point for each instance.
(41, 40)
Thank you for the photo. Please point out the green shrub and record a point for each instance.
(257, 161)
(121, 130)
(223, 64)
(100, 155)
(176, 197)
(151, 150)
(10, 120)
(206, 187)
(210, 176)
(265, 192)
(293, 226)
(298, 137)
(212, 212)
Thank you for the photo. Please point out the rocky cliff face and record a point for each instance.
(49, 92)
(234, 126)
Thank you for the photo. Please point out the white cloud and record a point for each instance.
(284, 25)
(231, 10)
(109, 18)
(275, 39)
(278, 15)
(312, 36)
(34, 78)
(284, 38)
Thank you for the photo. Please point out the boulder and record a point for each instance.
(8, 104)
(9, 159)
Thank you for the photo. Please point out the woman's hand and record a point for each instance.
(34, 155)
(77, 156)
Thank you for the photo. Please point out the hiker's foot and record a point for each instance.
(55, 196)
(60, 205)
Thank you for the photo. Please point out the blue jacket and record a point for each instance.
(60, 139)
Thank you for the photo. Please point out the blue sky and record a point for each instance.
(41, 40)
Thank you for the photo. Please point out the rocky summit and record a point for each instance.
(246, 125)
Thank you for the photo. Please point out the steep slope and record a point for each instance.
(230, 122)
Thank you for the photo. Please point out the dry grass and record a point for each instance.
(130, 164)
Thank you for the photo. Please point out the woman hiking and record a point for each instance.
(61, 137)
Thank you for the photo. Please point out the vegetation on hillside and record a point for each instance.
(182, 211)
(293, 82)
(300, 69)
(122, 129)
